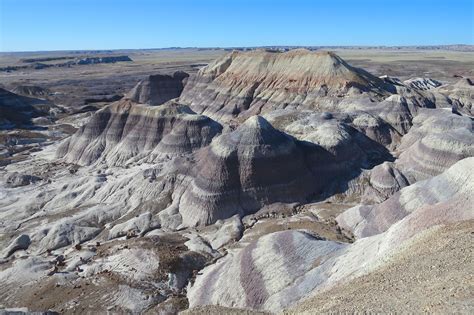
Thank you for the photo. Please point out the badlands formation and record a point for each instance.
(265, 182)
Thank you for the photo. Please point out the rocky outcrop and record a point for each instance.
(37, 65)
(158, 89)
(437, 140)
(461, 95)
(451, 191)
(31, 90)
(422, 84)
(348, 141)
(22, 242)
(61, 234)
(249, 83)
(17, 180)
(125, 130)
(104, 59)
(385, 180)
(282, 268)
(189, 134)
(241, 171)
(18, 111)
(85, 60)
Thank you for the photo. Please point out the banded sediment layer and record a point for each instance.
(252, 83)
(126, 130)
(262, 180)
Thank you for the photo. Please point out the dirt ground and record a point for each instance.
(429, 276)
(441, 65)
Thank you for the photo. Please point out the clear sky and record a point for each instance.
(111, 24)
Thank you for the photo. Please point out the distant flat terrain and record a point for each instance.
(72, 85)
(442, 65)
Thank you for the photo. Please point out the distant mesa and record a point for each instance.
(46, 59)
(42, 63)
(106, 59)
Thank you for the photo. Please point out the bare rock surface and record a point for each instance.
(18, 110)
(437, 140)
(385, 180)
(243, 170)
(264, 179)
(449, 190)
(17, 180)
(250, 83)
(260, 276)
(158, 89)
(422, 83)
(214, 310)
(224, 232)
(126, 129)
(31, 90)
(461, 95)
(20, 243)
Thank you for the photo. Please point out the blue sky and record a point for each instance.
(110, 24)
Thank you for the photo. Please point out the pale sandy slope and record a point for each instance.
(430, 275)
(218, 310)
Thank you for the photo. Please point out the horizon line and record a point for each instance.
(242, 47)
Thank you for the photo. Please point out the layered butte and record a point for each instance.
(243, 170)
(158, 89)
(145, 124)
(126, 129)
(249, 83)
